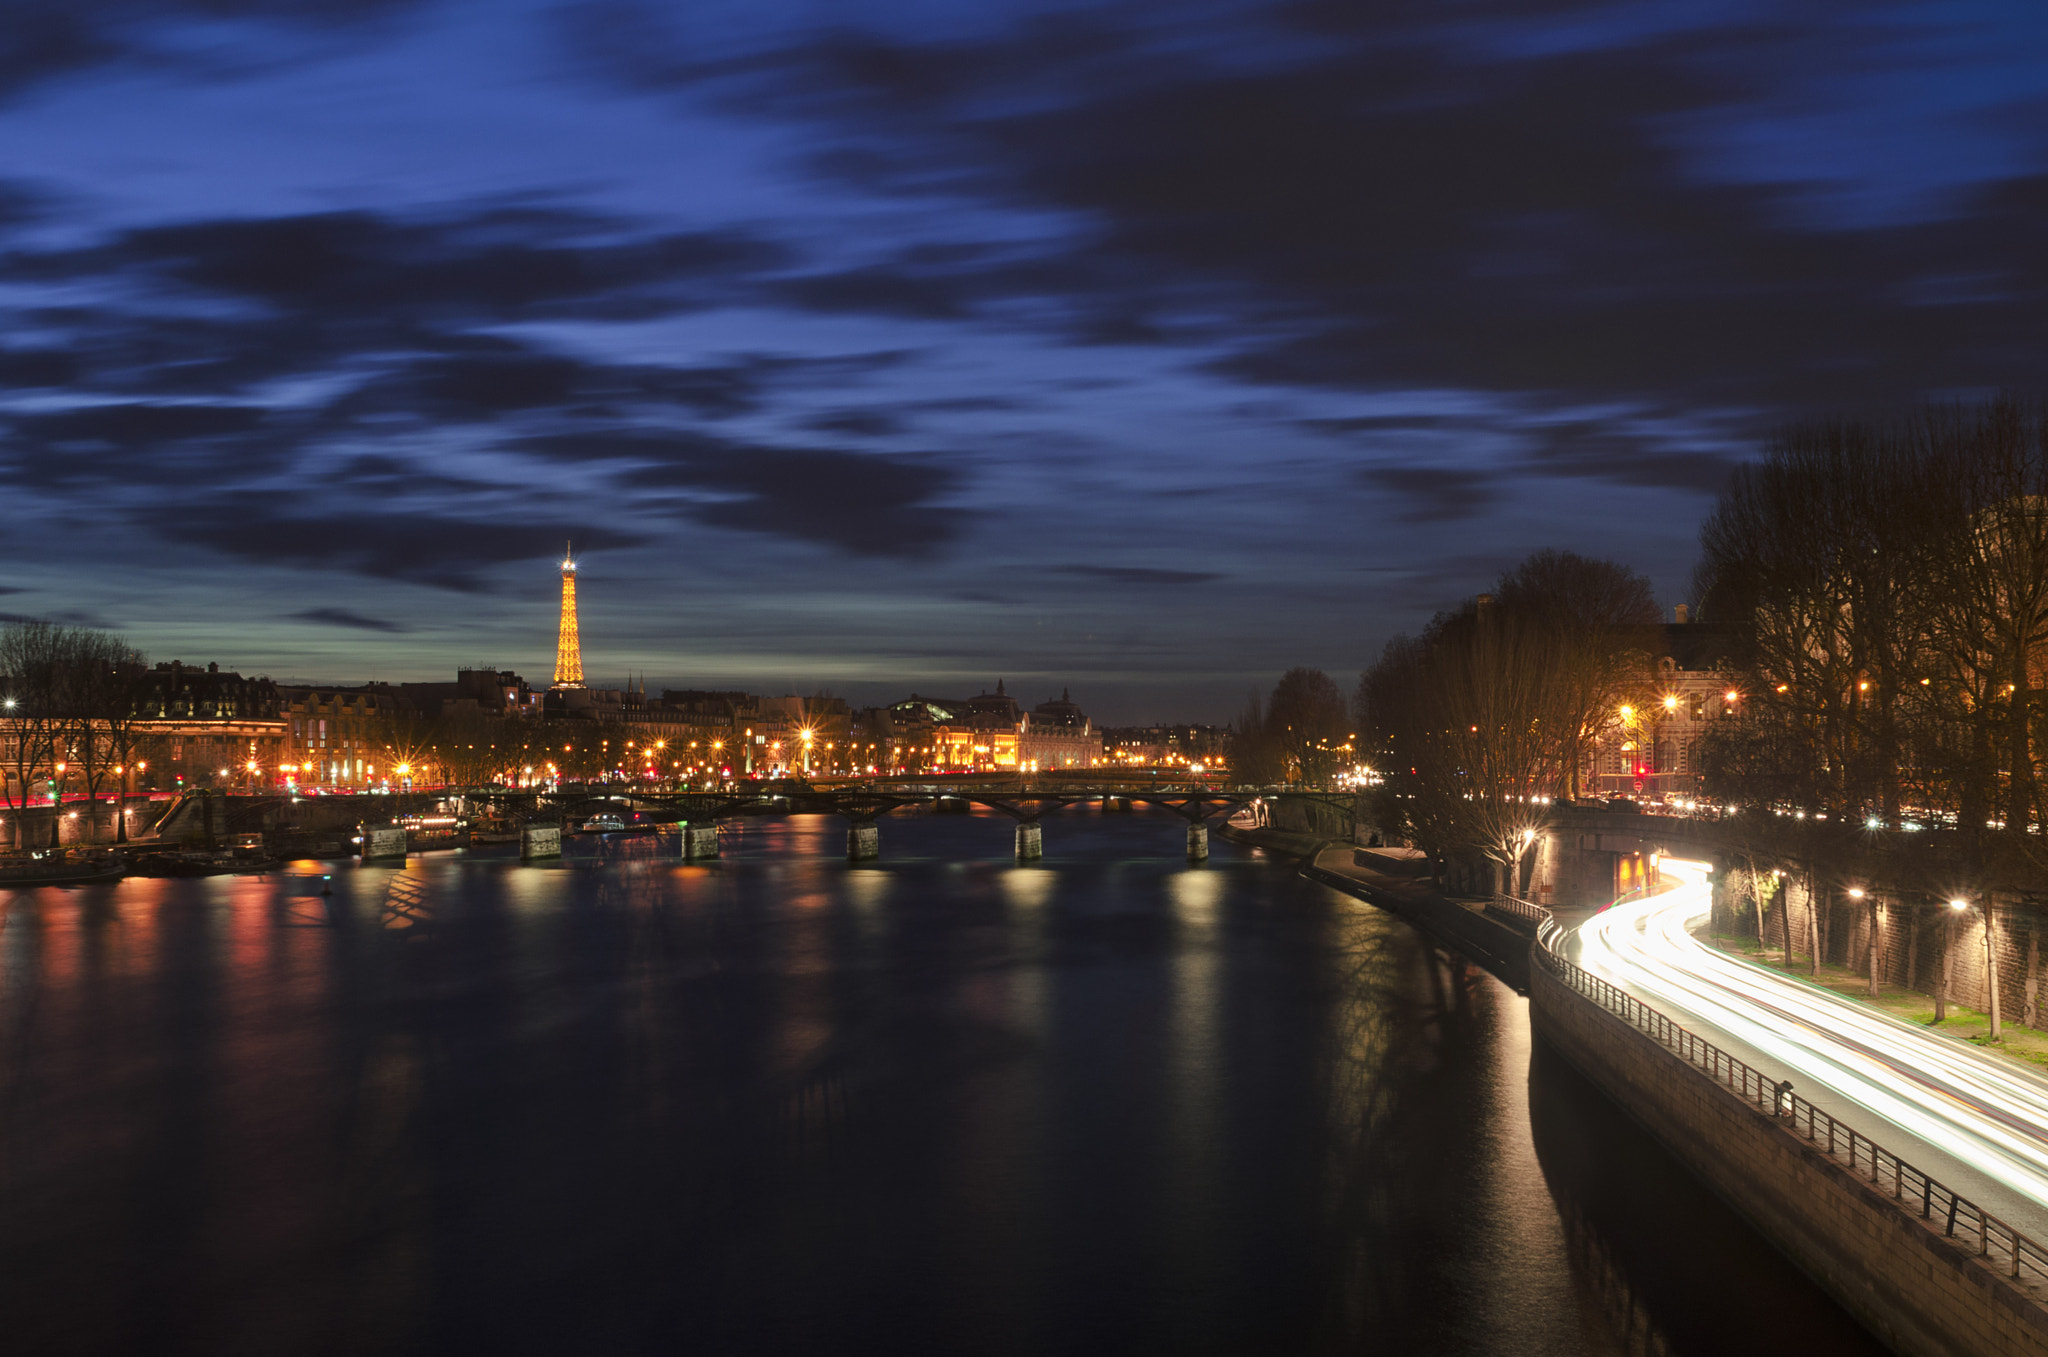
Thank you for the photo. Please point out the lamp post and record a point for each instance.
(1948, 949)
(1990, 962)
(1856, 893)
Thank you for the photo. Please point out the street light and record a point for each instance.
(1856, 893)
(1960, 905)
(1948, 946)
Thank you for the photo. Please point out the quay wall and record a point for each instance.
(1500, 948)
(1919, 1292)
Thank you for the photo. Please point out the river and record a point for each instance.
(1107, 1103)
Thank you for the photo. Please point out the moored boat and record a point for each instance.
(58, 869)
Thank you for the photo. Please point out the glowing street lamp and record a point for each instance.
(1956, 907)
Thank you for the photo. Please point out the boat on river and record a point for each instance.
(61, 869)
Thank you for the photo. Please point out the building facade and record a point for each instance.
(1055, 735)
(1654, 752)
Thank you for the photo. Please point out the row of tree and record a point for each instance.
(1300, 733)
(1482, 722)
(68, 712)
(1888, 589)
(1879, 596)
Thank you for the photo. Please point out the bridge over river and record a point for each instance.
(864, 802)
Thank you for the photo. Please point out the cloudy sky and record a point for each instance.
(1141, 348)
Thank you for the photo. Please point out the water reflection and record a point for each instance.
(1662, 1260)
(775, 1104)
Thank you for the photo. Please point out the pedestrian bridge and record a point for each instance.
(863, 803)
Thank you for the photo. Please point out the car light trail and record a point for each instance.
(1991, 1118)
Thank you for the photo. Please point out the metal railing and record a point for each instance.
(1534, 915)
(1953, 1215)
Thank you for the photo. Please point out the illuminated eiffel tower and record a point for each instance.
(569, 648)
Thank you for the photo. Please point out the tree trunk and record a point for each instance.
(1913, 947)
(1813, 920)
(1991, 963)
(1876, 948)
(2020, 785)
(1948, 952)
(2030, 1014)
(92, 826)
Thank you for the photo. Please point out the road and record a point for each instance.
(1982, 1123)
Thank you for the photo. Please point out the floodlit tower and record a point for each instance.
(569, 648)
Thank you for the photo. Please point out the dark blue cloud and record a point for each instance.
(952, 300)
(1134, 574)
(342, 617)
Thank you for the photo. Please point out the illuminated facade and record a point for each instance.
(1057, 735)
(569, 646)
(1655, 752)
(339, 737)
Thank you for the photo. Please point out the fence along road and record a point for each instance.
(1965, 1136)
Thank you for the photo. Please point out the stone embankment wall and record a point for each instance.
(1919, 1292)
(1320, 819)
(1498, 945)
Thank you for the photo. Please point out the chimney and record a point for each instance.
(1679, 614)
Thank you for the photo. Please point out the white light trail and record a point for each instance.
(1989, 1117)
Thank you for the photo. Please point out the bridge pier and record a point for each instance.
(863, 841)
(699, 842)
(381, 845)
(1198, 843)
(1116, 805)
(1030, 841)
(540, 841)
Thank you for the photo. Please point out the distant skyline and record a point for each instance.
(1140, 348)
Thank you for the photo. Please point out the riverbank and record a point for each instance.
(1396, 881)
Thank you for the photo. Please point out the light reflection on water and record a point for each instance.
(1107, 1103)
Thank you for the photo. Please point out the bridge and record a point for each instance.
(863, 803)
(1585, 857)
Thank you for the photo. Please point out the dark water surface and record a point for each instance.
(943, 1104)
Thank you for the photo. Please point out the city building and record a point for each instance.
(1057, 735)
(205, 728)
(1166, 746)
(340, 736)
(1655, 753)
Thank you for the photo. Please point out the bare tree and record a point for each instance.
(1308, 724)
(70, 694)
(1599, 613)
(1892, 583)
(1472, 725)
(1252, 756)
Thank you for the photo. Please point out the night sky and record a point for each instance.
(1142, 349)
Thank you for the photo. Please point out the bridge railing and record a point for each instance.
(1941, 1207)
(1519, 910)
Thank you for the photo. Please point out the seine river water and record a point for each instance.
(1109, 1103)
